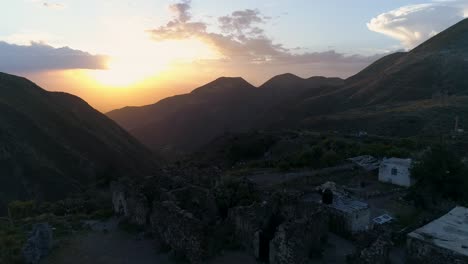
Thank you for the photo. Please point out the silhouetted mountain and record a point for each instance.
(435, 68)
(185, 122)
(53, 144)
(427, 80)
(398, 84)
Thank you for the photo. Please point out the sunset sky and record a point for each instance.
(115, 53)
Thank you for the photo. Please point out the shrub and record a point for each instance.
(22, 209)
(441, 173)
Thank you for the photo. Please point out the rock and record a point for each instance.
(39, 243)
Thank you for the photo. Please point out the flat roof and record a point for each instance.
(449, 232)
(402, 162)
(340, 202)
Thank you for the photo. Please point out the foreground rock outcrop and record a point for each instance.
(39, 243)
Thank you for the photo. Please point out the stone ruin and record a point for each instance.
(281, 230)
(185, 219)
(178, 214)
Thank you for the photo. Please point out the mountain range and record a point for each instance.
(54, 144)
(402, 94)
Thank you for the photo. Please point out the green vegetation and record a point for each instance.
(234, 192)
(440, 174)
(12, 239)
(65, 216)
(328, 151)
(250, 147)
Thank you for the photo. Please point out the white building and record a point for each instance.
(396, 171)
(348, 216)
(444, 240)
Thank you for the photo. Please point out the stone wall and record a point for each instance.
(420, 252)
(376, 253)
(131, 203)
(180, 215)
(297, 239)
(180, 230)
(199, 201)
(247, 222)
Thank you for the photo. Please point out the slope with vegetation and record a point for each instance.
(399, 95)
(55, 143)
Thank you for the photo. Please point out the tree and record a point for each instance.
(442, 174)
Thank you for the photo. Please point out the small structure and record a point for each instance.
(444, 240)
(396, 171)
(348, 216)
(383, 219)
(367, 162)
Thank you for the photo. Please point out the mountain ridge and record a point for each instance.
(54, 144)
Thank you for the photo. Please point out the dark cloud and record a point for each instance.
(182, 11)
(241, 40)
(42, 57)
(242, 23)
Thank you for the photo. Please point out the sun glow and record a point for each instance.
(147, 59)
(125, 71)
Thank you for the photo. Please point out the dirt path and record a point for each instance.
(267, 178)
(106, 244)
(114, 247)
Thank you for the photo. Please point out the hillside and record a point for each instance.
(53, 144)
(435, 71)
(186, 122)
(436, 68)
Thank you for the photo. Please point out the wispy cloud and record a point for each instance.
(53, 5)
(241, 39)
(42, 57)
(414, 24)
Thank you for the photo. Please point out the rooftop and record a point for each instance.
(449, 232)
(368, 162)
(340, 202)
(402, 162)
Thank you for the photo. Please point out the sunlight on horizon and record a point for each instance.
(138, 60)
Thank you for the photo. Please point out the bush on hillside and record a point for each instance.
(441, 174)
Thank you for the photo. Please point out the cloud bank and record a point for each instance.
(414, 24)
(38, 57)
(241, 41)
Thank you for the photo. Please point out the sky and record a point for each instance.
(115, 53)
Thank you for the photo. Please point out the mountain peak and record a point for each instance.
(452, 40)
(282, 78)
(223, 84)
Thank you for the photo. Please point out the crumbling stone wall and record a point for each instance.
(131, 203)
(180, 230)
(247, 222)
(199, 201)
(297, 239)
(421, 252)
(376, 253)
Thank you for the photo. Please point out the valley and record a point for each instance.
(371, 169)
